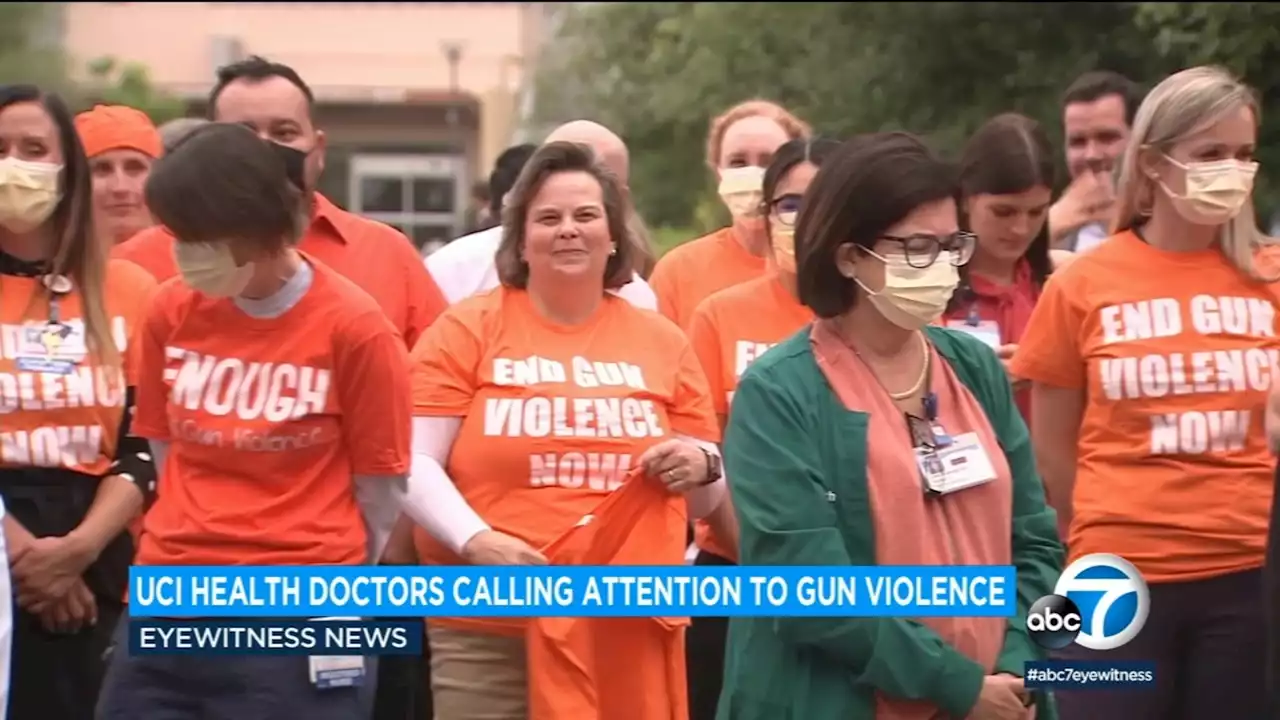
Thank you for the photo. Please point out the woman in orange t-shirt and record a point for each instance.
(728, 331)
(740, 146)
(533, 402)
(71, 473)
(274, 393)
(1151, 358)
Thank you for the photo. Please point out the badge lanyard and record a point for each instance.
(940, 437)
(51, 339)
(972, 319)
(933, 440)
(58, 287)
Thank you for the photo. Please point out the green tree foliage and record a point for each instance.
(113, 84)
(31, 52)
(29, 45)
(657, 72)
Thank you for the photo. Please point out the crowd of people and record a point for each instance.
(887, 358)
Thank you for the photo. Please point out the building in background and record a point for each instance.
(416, 99)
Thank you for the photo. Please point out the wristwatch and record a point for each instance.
(715, 469)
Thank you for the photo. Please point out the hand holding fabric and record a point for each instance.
(678, 464)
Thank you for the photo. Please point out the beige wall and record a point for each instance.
(361, 52)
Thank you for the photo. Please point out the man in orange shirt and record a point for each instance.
(121, 143)
(274, 101)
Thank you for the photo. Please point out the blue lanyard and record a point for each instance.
(972, 319)
(940, 436)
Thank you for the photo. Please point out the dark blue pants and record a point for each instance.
(704, 654)
(1208, 641)
(224, 687)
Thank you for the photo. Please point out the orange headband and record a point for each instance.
(114, 127)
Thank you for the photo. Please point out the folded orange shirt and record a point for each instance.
(614, 668)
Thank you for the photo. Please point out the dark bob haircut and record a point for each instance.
(869, 185)
(551, 159)
(224, 183)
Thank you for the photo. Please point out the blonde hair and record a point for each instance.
(794, 126)
(1180, 106)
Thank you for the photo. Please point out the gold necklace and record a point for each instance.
(915, 387)
(920, 381)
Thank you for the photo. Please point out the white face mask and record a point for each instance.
(742, 190)
(29, 193)
(914, 297)
(211, 269)
(1215, 191)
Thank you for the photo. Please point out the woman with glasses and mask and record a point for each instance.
(1151, 359)
(71, 473)
(728, 331)
(877, 438)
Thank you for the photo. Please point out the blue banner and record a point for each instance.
(275, 637)
(572, 591)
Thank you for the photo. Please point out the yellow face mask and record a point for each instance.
(742, 189)
(784, 249)
(210, 268)
(29, 193)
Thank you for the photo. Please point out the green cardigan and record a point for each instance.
(788, 444)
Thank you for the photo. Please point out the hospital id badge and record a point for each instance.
(988, 331)
(960, 465)
(51, 347)
(335, 671)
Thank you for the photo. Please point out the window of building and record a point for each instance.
(424, 196)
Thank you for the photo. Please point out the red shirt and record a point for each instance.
(1009, 306)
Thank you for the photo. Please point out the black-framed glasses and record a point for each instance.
(786, 208)
(922, 249)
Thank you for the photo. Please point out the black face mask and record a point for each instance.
(295, 164)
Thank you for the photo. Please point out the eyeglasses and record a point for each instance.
(785, 208)
(922, 249)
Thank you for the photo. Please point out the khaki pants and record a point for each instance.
(475, 676)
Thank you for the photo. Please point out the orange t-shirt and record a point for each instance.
(1173, 351)
(65, 420)
(729, 330)
(374, 256)
(268, 420)
(576, 658)
(694, 271)
(553, 416)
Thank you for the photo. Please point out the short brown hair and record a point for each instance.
(869, 185)
(224, 183)
(1098, 84)
(794, 126)
(551, 159)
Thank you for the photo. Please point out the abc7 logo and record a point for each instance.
(1116, 603)
(1054, 622)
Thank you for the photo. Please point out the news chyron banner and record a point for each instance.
(323, 610)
